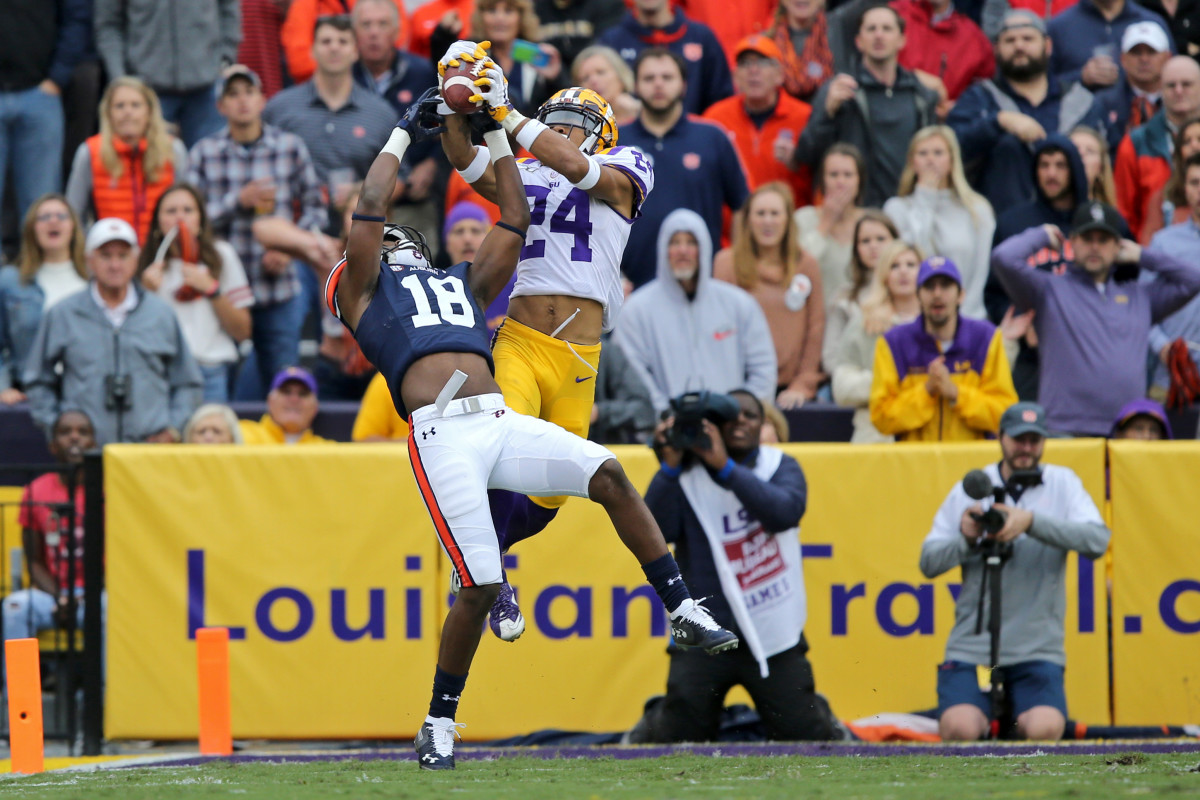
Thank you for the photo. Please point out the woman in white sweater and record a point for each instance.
(939, 212)
(827, 230)
(873, 232)
(891, 299)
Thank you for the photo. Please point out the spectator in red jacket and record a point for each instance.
(765, 121)
(1144, 156)
(945, 43)
(299, 29)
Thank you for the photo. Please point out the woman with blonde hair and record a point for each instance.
(503, 22)
(124, 169)
(937, 210)
(1097, 164)
(49, 267)
(766, 261)
(872, 233)
(602, 70)
(891, 299)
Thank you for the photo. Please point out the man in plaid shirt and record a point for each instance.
(252, 173)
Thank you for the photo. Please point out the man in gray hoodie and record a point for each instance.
(113, 351)
(685, 331)
(178, 47)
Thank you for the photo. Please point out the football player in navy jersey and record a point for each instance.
(425, 330)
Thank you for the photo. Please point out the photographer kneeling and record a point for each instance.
(1044, 512)
(732, 509)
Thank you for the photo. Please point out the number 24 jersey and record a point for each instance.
(575, 242)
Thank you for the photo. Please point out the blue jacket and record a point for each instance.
(1115, 105)
(708, 77)
(778, 504)
(696, 167)
(1079, 30)
(20, 314)
(411, 76)
(1001, 165)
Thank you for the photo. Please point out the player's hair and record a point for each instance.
(849, 151)
(746, 253)
(879, 307)
(972, 200)
(158, 141)
(863, 16)
(860, 275)
(1103, 188)
(355, 13)
(624, 73)
(213, 410)
(529, 29)
(31, 256)
(659, 52)
(1173, 190)
(209, 256)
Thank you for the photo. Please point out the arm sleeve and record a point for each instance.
(836, 322)
(1125, 176)
(762, 370)
(221, 207)
(179, 157)
(666, 500)
(1023, 285)
(945, 547)
(818, 134)
(1058, 66)
(313, 215)
(183, 375)
(810, 355)
(74, 28)
(296, 34)
(632, 337)
(733, 176)
(979, 269)
(1083, 528)
(718, 82)
(897, 409)
(79, 183)
(981, 406)
(1176, 284)
(973, 119)
(231, 29)
(779, 503)
(629, 405)
(108, 19)
(40, 377)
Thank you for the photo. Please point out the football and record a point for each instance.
(458, 84)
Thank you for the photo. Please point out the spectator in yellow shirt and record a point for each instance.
(377, 419)
(291, 408)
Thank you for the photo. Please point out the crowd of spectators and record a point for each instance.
(918, 209)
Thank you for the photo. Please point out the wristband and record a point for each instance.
(367, 217)
(512, 228)
(397, 143)
(591, 178)
(477, 166)
(723, 475)
(532, 130)
(511, 120)
(671, 472)
(497, 145)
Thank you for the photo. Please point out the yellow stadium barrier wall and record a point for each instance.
(323, 564)
(1156, 583)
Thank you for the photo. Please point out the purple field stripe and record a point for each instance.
(484, 753)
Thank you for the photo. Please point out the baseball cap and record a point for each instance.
(1024, 417)
(110, 229)
(294, 374)
(937, 265)
(239, 71)
(757, 43)
(1144, 407)
(1148, 33)
(1096, 216)
(1022, 18)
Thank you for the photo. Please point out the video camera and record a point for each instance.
(978, 486)
(691, 409)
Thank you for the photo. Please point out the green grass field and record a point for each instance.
(676, 776)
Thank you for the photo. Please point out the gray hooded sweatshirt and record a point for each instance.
(716, 340)
(77, 348)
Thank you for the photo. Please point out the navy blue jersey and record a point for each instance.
(416, 311)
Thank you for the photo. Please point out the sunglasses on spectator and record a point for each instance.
(53, 216)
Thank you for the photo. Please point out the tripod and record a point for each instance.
(994, 555)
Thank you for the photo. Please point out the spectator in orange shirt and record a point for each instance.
(764, 120)
(299, 28)
(438, 23)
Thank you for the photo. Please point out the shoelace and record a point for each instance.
(444, 736)
(701, 616)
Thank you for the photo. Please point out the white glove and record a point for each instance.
(462, 50)
(493, 91)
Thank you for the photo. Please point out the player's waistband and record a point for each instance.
(463, 405)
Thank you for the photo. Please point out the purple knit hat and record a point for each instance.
(465, 210)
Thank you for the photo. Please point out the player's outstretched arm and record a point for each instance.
(553, 149)
(473, 163)
(501, 248)
(357, 283)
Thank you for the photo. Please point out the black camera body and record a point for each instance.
(690, 411)
(978, 485)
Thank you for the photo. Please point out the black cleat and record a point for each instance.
(695, 627)
(435, 743)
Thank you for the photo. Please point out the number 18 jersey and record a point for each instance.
(575, 242)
